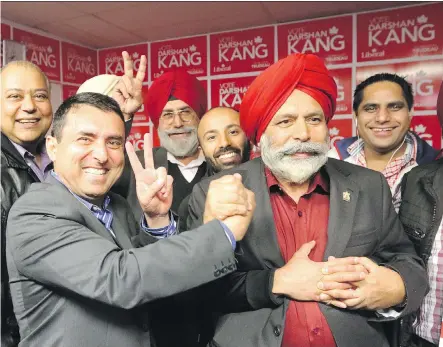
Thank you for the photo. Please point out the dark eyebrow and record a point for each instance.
(87, 133)
(396, 103)
(115, 137)
(369, 104)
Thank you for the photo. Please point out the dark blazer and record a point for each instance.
(421, 212)
(366, 225)
(73, 285)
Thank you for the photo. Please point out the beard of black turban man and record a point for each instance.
(309, 208)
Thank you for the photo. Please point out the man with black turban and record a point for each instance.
(325, 261)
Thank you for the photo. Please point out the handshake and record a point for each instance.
(230, 202)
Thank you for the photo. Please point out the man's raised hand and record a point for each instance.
(154, 186)
(128, 91)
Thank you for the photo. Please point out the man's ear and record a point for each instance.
(51, 147)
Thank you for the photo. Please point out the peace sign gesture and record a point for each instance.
(154, 186)
(128, 91)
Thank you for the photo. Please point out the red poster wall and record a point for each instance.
(339, 129)
(400, 33)
(69, 91)
(79, 63)
(188, 53)
(425, 77)
(242, 51)
(343, 79)
(428, 128)
(111, 61)
(330, 39)
(229, 92)
(42, 51)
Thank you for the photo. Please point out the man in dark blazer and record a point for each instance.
(76, 277)
(325, 261)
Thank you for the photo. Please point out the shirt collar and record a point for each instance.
(194, 163)
(45, 160)
(89, 205)
(319, 181)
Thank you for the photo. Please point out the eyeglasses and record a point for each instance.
(185, 115)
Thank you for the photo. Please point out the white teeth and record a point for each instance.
(228, 155)
(381, 130)
(24, 121)
(95, 171)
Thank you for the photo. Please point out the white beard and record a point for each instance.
(293, 170)
(179, 147)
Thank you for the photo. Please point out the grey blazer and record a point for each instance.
(73, 285)
(364, 225)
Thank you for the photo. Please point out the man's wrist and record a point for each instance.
(157, 221)
(277, 286)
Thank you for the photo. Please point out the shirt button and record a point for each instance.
(145, 327)
(316, 331)
(277, 330)
(300, 213)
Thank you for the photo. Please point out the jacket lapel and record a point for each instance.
(262, 234)
(343, 200)
(119, 226)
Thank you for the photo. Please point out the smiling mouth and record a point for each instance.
(28, 121)
(179, 134)
(97, 172)
(228, 155)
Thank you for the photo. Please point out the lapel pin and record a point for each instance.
(346, 196)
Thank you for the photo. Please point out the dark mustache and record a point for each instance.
(225, 150)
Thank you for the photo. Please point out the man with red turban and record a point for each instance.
(325, 261)
(175, 103)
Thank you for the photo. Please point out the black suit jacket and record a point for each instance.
(366, 225)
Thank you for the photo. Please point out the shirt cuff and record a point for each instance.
(160, 233)
(229, 235)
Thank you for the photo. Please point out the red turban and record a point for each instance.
(269, 91)
(182, 86)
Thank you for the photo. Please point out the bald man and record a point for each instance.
(317, 236)
(26, 116)
(222, 139)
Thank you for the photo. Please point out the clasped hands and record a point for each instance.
(347, 283)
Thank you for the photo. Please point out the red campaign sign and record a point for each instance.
(42, 51)
(229, 92)
(424, 76)
(428, 128)
(339, 129)
(242, 51)
(69, 91)
(136, 136)
(5, 35)
(343, 79)
(189, 53)
(78, 63)
(330, 39)
(401, 33)
(110, 60)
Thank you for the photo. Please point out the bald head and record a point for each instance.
(26, 112)
(221, 138)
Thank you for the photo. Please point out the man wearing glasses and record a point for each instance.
(175, 102)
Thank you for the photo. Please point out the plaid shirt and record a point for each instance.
(429, 321)
(395, 170)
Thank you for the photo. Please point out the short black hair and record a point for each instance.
(381, 77)
(97, 100)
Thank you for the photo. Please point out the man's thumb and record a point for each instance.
(305, 249)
